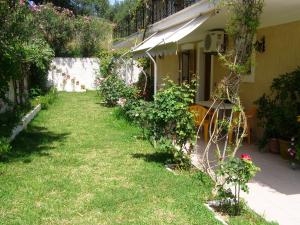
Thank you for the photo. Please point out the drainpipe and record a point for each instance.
(155, 71)
(121, 57)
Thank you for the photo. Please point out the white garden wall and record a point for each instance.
(73, 74)
(128, 70)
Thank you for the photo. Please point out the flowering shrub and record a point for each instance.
(294, 150)
(236, 172)
(23, 49)
(112, 89)
(109, 60)
(167, 122)
(169, 116)
(71, 35)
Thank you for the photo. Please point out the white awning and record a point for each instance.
(172, 35)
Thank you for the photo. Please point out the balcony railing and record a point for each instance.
(144, 16)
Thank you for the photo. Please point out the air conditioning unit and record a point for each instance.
(214, 42)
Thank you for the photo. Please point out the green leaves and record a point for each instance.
(4, 145)
(236, 172)
(22, 46)
(113, 88)
(168, 118)
(277, 112)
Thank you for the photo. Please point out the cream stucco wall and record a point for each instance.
(167, 67)
(282, 55)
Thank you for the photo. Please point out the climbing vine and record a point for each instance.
(243, 22)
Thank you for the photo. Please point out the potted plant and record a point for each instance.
(278, 111)
(286, 93)
(267, 115)
(288, 128)
(294, 152)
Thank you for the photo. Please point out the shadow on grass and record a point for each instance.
(33, 141)
(156, 157)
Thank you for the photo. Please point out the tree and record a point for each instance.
(97, 8)
(22, 46)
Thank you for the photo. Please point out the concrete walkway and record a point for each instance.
(275, 190)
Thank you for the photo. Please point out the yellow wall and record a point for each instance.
(282, 55)
(167, 68)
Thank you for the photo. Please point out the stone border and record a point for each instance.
(170, 168)
(217, 216)
(24, 122)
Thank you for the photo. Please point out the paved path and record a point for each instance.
(275, 190)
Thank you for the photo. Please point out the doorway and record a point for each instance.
(185, 76)
(207, 76)
(205, 71)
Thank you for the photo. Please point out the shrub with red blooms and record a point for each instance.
(236, 172)
(246, 157)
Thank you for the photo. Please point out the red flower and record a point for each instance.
(246, 157)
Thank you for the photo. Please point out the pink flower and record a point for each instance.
(246, 157)
(22, 2)
(121, 102)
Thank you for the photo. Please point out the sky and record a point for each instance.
(113, 1)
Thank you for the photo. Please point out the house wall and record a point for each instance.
(282, 55)
(167, 67)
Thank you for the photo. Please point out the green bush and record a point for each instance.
(112, 89)
(4, 145)
(93, 35)
(169, 116)
(45, 100)
(167, 121)
(278, 111)
(23, 47)
(237, 172)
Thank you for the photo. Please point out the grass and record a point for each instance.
(78, 164)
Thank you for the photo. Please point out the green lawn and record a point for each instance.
(78, 164)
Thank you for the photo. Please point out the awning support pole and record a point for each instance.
(155, 71)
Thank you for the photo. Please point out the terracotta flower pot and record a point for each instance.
(284, 146)
(274, 145)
